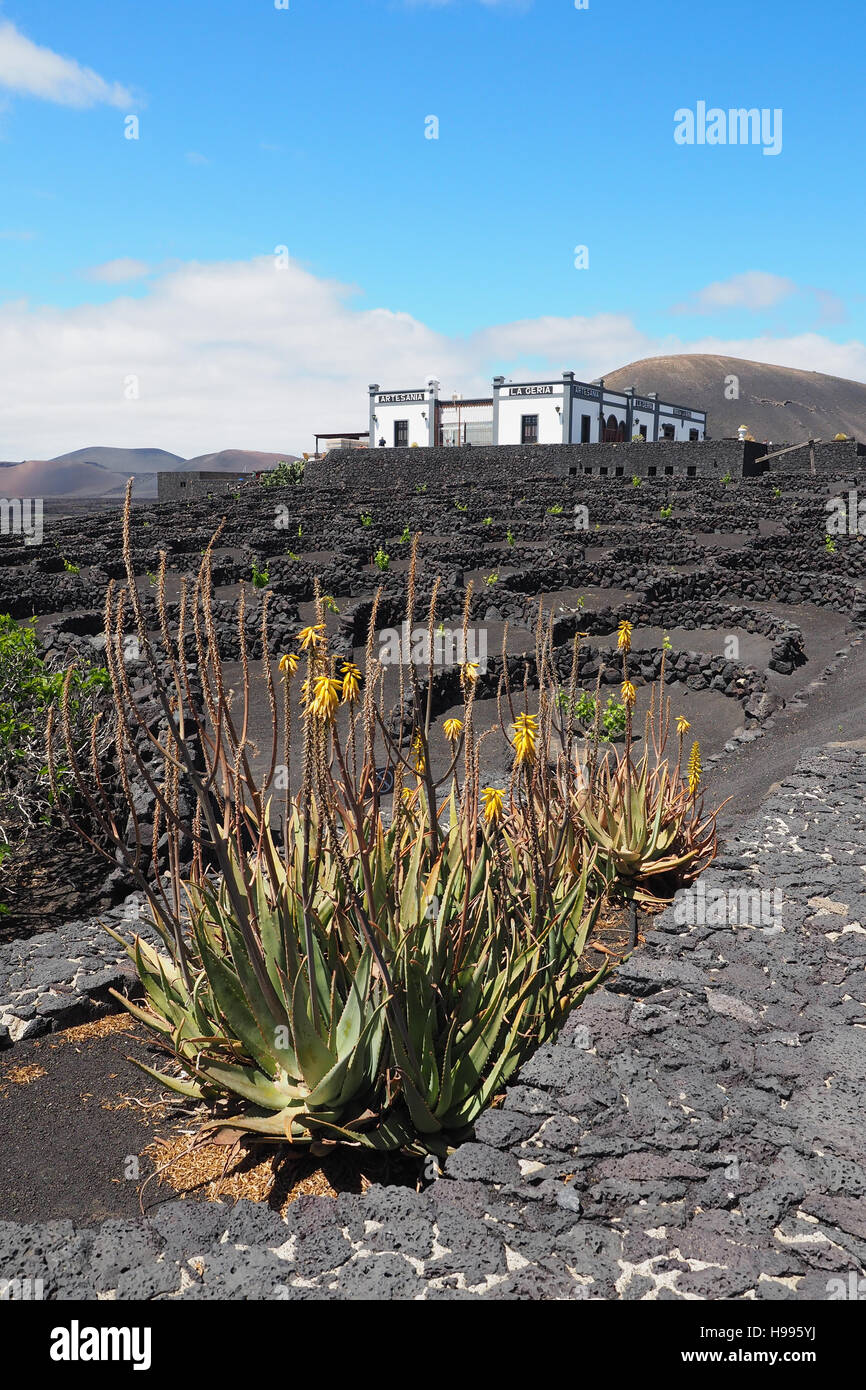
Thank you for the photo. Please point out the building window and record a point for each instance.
(651, 471)
(643, 431)
(603, 471)
(401, 434)
(585, 429)
(691, 472)
(693, 435)
(668, 432)
(529, 429)
(589, 471)
(619, 472)
(669, 472)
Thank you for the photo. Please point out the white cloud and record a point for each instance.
(753, 289)
(118, 272)
(193, 157)
(246, 355)
(26, 69)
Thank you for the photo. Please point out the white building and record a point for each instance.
(562, 411)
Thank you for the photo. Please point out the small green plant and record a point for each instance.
(727, 478)
(406, 536)
(28, 689)
(488, 521)
(667, 644)
(584, 708)
(330, 603)
(613, 719)
(830, 544)
(666, 511)
(509, 536)
(555, 510)
(420, 487)
(260, 576)
(635, 480)
(153, 579)
(777, 492)
(462, 506)
(292, 555)
(381, 560)
(69, 566)
(493, 576)
(286, 472)
(366, 518)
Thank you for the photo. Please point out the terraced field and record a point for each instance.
(753, 622)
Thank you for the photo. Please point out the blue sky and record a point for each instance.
(153, 259)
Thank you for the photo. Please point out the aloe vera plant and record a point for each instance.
(354, 976)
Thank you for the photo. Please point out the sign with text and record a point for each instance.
(400, 397)
(530, 390)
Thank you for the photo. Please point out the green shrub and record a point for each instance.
(286, 473)
(28, 689)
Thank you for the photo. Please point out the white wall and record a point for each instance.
(617, 405)
(581, 406)
(644, 417)
(682, 428)
(387, 412)
(513, 407)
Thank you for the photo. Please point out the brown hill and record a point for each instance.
(48, 478)
(103, 472)
(233, 461)
(781, 404)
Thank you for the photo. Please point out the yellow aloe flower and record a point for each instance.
(525, 729)
(623, 640)
(628, 693)
(493, 798)
(351, 681)
(452, 729)
(289, 663)
(694, 768)
(683, 725)
(469, 673)
(326, 697)
(310, 637)
(418, 755)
